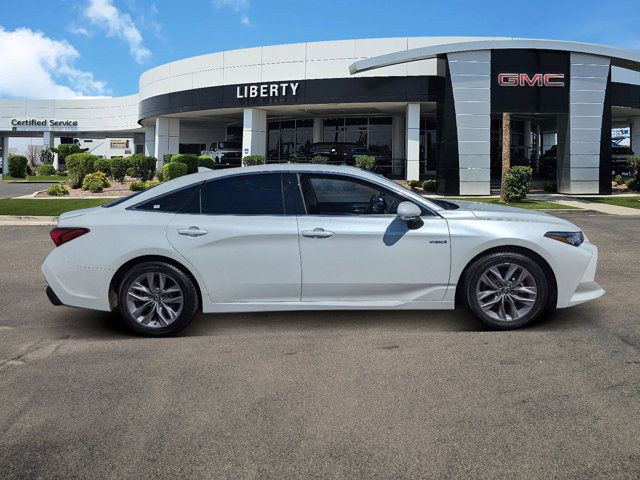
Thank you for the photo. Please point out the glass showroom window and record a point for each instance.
(374, 133)
(286, 137)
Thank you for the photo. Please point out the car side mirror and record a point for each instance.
(409, 212)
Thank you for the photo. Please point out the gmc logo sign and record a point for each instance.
(537, 80)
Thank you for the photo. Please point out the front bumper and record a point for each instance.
(53, 298)
(587, 289)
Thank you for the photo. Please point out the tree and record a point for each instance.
(65, 150)
(33, 154)
(506, 151)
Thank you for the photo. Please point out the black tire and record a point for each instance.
(182, 280)
(472, 283)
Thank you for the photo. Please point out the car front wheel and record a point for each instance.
(506, 290)
(157, 298)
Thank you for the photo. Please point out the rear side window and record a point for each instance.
(184, 200)
(255, 194)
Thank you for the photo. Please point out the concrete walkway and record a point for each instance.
(9, 220)
(585, 204)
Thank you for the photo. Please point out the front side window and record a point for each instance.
(255, 194)
(339, 195)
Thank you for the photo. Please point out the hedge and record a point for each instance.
(119, 167)
(17, 166)
(252, 160)
(206, 161)
(79, 165)
(517, 183)
(190, 160)
(57, 190)
(46, 169)
(366, 162)
(429, 185)
(103, 165)
(173, 170)
(143, 167)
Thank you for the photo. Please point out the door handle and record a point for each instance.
(192, 232)
(317, 233)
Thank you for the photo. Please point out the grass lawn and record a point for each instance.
(38, 178)
(527, 203)
(631, 202)
(47, 207)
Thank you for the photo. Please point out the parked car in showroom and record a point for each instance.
(312, 237)
(227, 152)
(339, 153)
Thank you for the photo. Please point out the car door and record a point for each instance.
(354, 248)
(242, 244)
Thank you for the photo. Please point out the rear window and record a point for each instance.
(184, 200)
(255, 194)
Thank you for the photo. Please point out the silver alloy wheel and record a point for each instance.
(155, 299)
(506, 292)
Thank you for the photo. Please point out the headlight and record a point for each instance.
(572, 238)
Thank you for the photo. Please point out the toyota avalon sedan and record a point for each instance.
(312, 237)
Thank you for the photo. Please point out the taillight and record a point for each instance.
(63, 235)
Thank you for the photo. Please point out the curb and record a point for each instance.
(17, 220)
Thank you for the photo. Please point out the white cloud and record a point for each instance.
(78, 30)
(103, 14)
(238, 6)
(35, 66)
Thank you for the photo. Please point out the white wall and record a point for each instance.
(298, 61)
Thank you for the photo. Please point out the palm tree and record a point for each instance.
(506, 151)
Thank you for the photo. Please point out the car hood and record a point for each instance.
(488, 211)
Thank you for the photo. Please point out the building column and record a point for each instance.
(634, 124)
(412, 138)
(150, 141)
(317, 130)
(397, 145)
(5, 155)
(579, 163)
(527, 139)
(254, 132)
(166, 138)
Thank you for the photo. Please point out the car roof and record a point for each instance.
(206, 174)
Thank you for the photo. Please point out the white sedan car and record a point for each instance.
(312, 237)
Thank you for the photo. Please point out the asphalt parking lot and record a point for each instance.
(13, 189)
(322, 395)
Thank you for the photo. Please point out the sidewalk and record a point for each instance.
(583, 203)
(13, 220)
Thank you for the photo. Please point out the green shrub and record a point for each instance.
(173, 170)
(206, 162)
(151, 183)
(17, 166)
(190, 160)
(29, 171)
(366, 162)
(429, 185)
(103, 165)
(517, 183)
(252, 160)
(413, 183)
(166, 158)
(57, 190)
(143, 167)
(118, 168)
(320, 159)
(632, 184)
(634, 164)
(130, 171)
(79, 165)
(95, 180)
(136, 186)
(46, 169)
(159, 175)
(550, 187)
(617, 179)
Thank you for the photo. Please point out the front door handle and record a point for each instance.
(317, 233)
(192, 232)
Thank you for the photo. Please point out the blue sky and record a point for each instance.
(65, 48)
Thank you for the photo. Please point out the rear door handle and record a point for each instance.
(317, 233)
(192, 232)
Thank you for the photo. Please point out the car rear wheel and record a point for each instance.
(157, 298)
(506, 290)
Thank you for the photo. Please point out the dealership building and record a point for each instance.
(429, 107)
